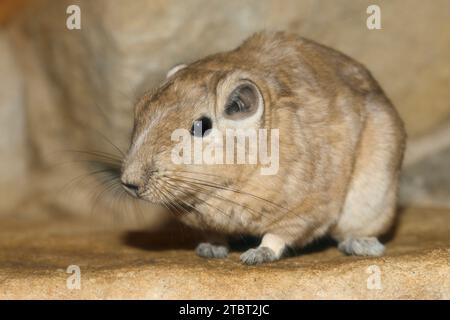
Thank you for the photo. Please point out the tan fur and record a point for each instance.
(341, 144)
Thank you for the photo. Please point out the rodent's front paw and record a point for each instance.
(258, 255)
(208, 250)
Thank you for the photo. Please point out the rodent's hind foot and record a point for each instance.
(258, 255)
(208, 250)
(365, 246)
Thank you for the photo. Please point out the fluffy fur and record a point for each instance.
(341, 148)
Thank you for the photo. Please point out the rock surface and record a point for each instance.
(34, 258)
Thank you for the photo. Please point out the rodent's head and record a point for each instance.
(194, 103)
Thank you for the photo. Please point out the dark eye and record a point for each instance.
(200, 126)
(235, 106)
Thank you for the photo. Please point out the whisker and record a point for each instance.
(175, 200)
(171, 201)
(119, 198)
(212, 175)
(199, 190)
(109, 141)
(163, 198)
(101, 154)
(197, 198)
(110, 185)
(222, 187)
(136, 207)
(84, 176)
(271, 220)
(251, 210)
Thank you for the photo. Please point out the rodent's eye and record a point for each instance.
(201, 126)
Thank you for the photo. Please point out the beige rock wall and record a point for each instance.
(82, 81)
(13, 133)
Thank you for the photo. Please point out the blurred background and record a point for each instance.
(67, 90)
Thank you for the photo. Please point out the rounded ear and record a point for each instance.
(175, 69)
(241, 104)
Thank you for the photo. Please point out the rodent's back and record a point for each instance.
(277, 55)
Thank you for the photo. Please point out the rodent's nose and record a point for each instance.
(132, 189)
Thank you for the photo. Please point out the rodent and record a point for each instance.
(341, 144)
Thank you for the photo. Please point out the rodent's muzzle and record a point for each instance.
(130, 179)
(132, 189)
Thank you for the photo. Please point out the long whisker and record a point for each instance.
(200, 189)
(271, 219)
(136, 206)
(110, 185)
(109, 141)
(198, 199)
(164, 202)
(88, 161)
(100, 154)
(169, 185)
(115, 193)
(210, 175)
(222, 187)
(249, 209)
(176, 201)
(170, 200)
(84, 176)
